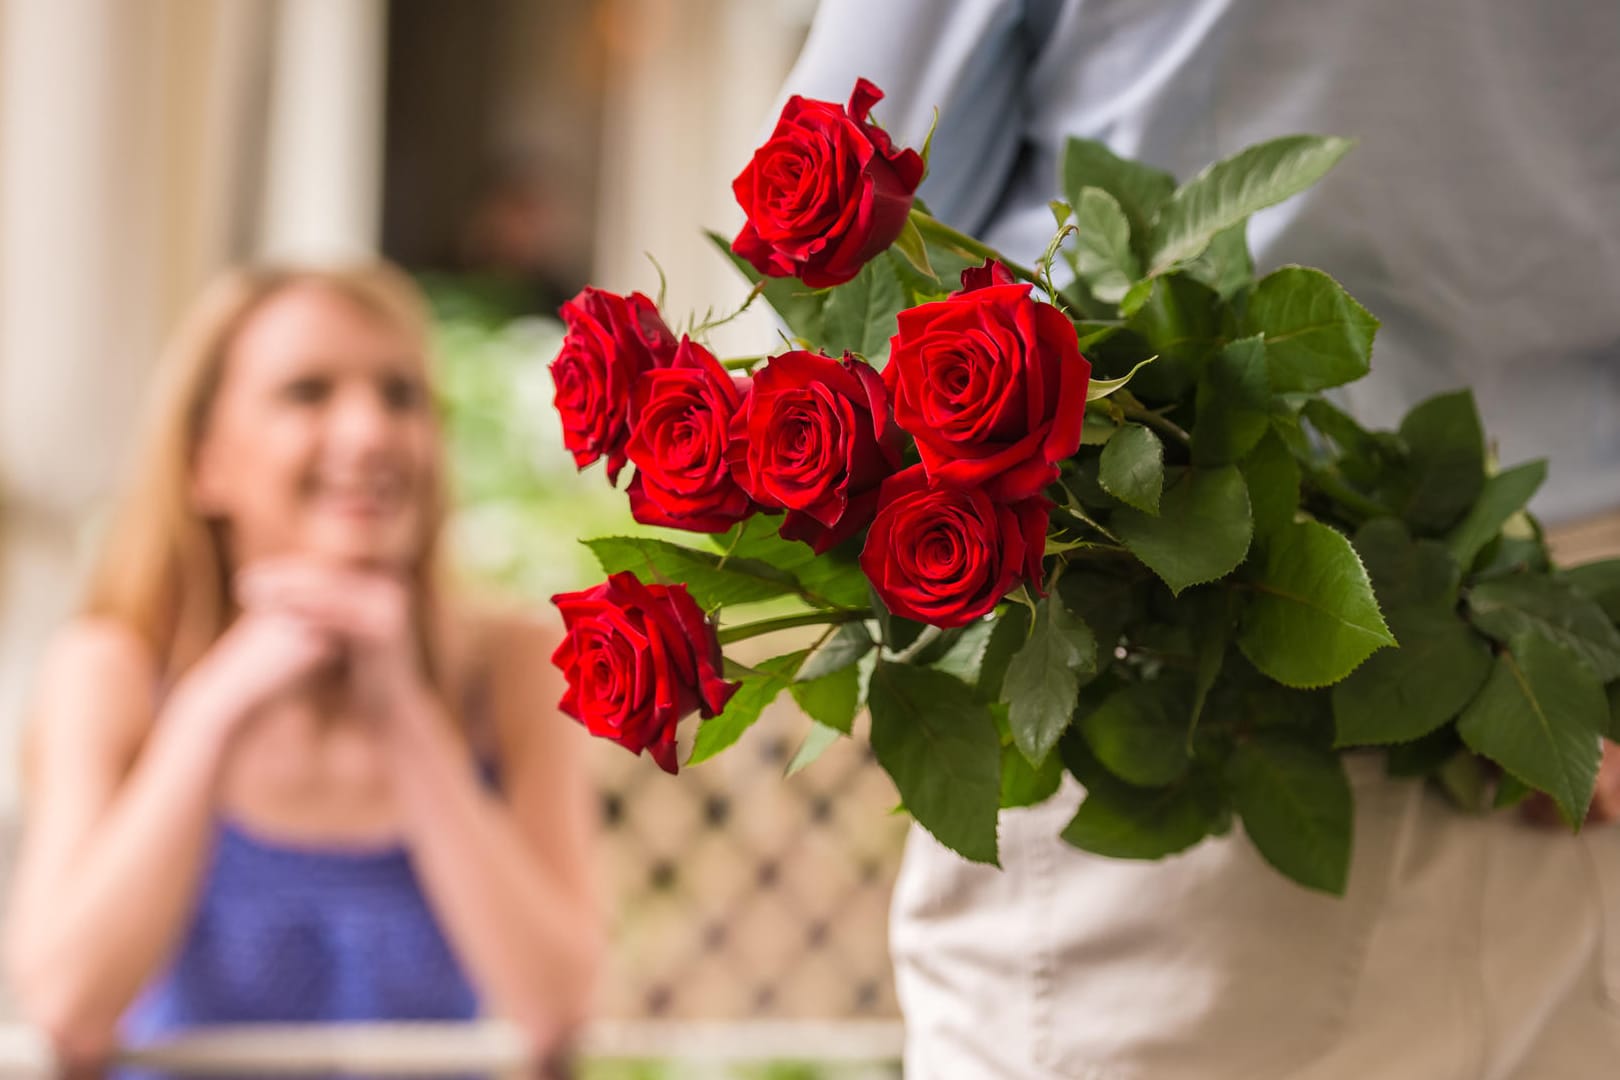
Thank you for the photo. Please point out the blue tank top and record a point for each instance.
(293, 934)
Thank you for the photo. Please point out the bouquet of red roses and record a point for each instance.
(1110, 528)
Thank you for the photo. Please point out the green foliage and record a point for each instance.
(1139, 733)
(815, 744)
(758, 690)
(1551, 608)
(860, 315)
(831, 699)
(843, 649)
(1132, 468)
(1139, 190)
(1539, 716)
(1201, 531)
(1313, 617)
(833, 580)
(1295, 803)
(1124, 821)
(800, 307)
(1102, 251)
(1446, 448)
(1044, 676)
(940, 747)
(1504, 495)
(1226, 193)
(712, 580)
(1234, 403)
(1316, 335)
(1403, 693)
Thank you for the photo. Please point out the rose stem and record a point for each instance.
(932, 226)
(789, 622)
(1133, 410)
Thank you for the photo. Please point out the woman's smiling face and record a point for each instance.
(321, 437)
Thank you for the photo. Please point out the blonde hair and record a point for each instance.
(163, 570)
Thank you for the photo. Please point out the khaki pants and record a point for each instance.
(1467, 948)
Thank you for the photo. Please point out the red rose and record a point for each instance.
(814, 437)
(612, 341)
(944, 555)
(683, 415)
(991, 384)
(638, 658)
(826, 193)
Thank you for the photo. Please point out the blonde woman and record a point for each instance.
(274, 773)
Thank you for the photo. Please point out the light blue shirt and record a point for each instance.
(1478, 218)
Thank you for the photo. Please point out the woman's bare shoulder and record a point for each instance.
(98, 677)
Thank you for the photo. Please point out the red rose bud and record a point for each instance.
(991, 384)
(945, 556)
(638, 658)
(814, 437)
(611, 342)
(683, 416)
(826, 193)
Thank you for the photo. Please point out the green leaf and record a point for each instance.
(757, 691)
(1234, 400)
(860, 314)
(815, 744)
(960, 652)
(1296, 806)
(1508, 606)
(1123, 821)
(897, 630)
(911, 244)
(1181, 322)
(1316, 335)
(1023, 784)
(1227, 192)
(1421, 757)
(737, 581)
(1446, 447)
(1272, 476)
(1539, 716)
(1202, 530)
(1097, 389)
(1225, 265)
(1139, 733)
(798, 304)
(1313, 617)
(1504, 495)
(1043, 677)
(1406, 573)
(940, 747)
(1404, 693)
(843, 649)
(1138, 189)
(1010, 632)
(1102, 254)
(831, 580)
(1135, 297)
(1510, 791)
(1132, 468)
(831, 699)
(1600, 581)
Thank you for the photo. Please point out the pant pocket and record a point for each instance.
(1208, 965)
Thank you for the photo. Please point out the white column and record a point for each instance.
(323, 189)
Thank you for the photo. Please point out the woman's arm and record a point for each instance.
(119, 814)
(510, 875)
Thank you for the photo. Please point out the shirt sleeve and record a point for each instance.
(965, 57)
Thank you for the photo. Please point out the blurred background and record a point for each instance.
(506, 152)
